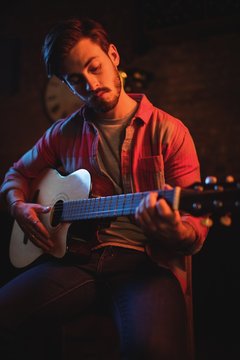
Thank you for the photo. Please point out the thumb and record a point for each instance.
(42, 209)
(167, 187)
(46, 209)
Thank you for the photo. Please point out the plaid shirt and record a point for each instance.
(157, 149)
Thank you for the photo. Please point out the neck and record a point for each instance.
(125, 106)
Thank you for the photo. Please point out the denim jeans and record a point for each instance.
(146, 302)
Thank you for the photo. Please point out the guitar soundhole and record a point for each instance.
(57, 213)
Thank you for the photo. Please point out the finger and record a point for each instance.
(163, 208)
(33, 223)
(167, 187)
(168, 215)
(39, 243)
(40, 239)
(40, 232)
(145, 221)
(145, 212)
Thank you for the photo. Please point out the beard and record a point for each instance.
(98, 104)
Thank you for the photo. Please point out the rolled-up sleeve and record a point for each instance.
(28, 167)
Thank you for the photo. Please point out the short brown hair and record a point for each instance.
(65, 35)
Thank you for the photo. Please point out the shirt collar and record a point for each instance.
(143, 112)
(145, 107)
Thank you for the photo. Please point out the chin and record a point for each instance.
(103, 106)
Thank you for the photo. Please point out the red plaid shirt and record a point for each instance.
(157, 149)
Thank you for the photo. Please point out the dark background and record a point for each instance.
(188, 53)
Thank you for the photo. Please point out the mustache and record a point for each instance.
(93, 93)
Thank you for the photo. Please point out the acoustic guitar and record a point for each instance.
(68, 197)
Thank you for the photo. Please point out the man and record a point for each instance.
(137, 263)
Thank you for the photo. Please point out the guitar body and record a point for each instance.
(49, 188)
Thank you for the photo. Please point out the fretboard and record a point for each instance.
(108, 206)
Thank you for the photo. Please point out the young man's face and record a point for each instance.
(92, 75)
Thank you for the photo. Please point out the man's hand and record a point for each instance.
(27, 216)
(159, 221)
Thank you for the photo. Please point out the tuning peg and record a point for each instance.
(210, 180)
(207, 222)
(198, 187)
(226, 220)
(229, 179)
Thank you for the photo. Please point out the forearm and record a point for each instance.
(13, 197)
(176, 235)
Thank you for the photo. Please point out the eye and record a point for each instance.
(75, 79)
(95, 69)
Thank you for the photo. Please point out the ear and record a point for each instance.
(113, 54)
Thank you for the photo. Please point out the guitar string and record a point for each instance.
(95, 207)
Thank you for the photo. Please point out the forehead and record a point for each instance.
(82, 54)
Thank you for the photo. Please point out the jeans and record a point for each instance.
(145, 300)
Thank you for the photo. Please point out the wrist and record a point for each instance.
(13, 197)
(14, 202)
(189, 238)
(12, 205)
(189, 233)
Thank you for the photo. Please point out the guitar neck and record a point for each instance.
(108, 206)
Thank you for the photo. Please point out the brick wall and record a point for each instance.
(197, 80)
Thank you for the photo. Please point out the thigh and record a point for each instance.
(51, 290)
(150, 314)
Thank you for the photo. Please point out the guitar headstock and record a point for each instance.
(212, 199)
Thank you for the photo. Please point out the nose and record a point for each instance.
(91, 83)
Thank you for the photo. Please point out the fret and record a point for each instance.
(108, 206)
